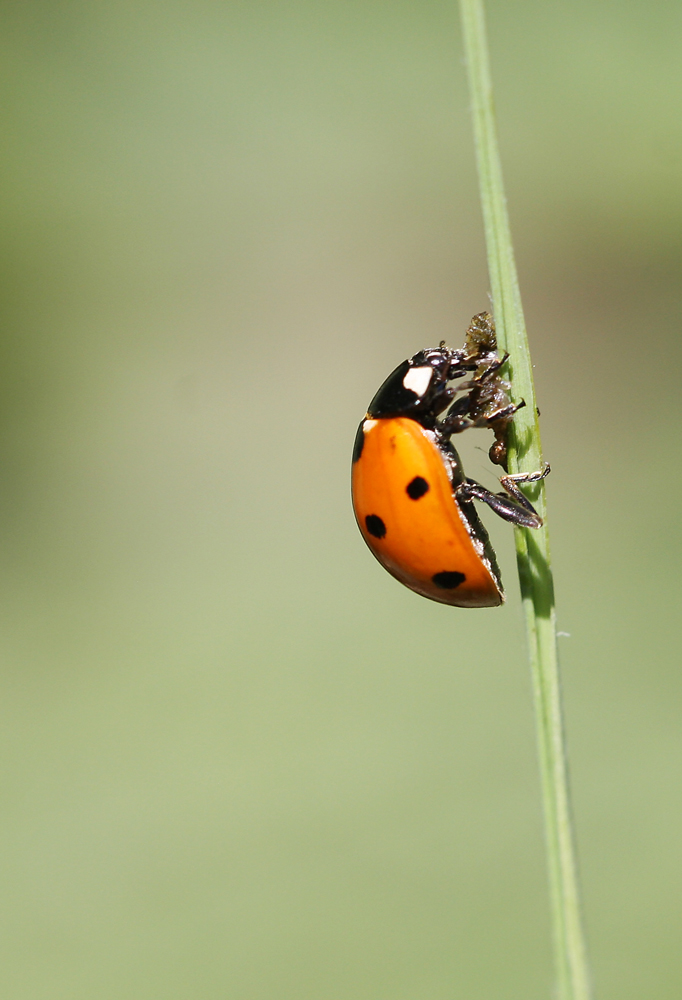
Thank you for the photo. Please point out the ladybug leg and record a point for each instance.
(510, 484)
(486, 369)
(504, 413)
(454, 424)
(503, 506)
(442, 399)
(456, 419)
(492, 366)
(512, 506)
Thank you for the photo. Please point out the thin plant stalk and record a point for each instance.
(532, 547)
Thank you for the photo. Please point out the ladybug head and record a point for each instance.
(418, 388)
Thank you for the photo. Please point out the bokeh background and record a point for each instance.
(239, 759)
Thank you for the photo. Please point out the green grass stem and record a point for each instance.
(532, 547)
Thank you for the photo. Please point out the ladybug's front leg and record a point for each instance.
(485, 369)
(519, 510)
(456, 419)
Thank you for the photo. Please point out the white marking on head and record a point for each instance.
(417, 380)
(367, 425)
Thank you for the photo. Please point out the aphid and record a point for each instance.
(412, 501)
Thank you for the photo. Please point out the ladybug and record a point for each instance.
(412, 501)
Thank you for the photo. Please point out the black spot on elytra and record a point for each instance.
(359, 442)
(448, 580)
(417, 488)
(375, 526)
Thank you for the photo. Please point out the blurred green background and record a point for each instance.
(239, 759)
